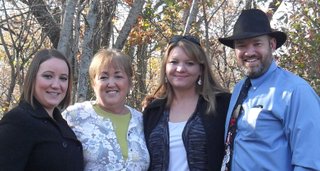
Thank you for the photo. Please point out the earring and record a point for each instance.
(199, 82)
(130, 91)
(165, 79)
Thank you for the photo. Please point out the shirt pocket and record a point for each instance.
(259, 123)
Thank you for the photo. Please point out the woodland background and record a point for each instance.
(142, 28)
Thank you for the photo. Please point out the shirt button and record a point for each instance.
(64, 144)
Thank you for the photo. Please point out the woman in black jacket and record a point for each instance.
(184, 120)
(33, 135)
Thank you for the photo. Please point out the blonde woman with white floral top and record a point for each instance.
(110, 131)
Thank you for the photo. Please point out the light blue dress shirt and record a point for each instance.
(279, 129)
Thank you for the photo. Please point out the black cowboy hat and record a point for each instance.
(252, 23)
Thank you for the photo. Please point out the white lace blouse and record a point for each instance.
(100, 146)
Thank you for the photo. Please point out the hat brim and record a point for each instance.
(280, 37)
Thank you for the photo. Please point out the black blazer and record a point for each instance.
(31, 140)
(214, 125)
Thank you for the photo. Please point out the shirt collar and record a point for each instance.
(258, 81)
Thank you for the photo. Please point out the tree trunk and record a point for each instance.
(87, 52)
(66, 35)
(107, 13)
(192, 16)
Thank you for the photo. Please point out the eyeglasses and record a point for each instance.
(192, 39)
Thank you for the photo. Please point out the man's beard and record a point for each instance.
(253, 72)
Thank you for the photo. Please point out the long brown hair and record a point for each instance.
(29, 83)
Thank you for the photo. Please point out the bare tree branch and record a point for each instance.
(132, 18)
(49, 25)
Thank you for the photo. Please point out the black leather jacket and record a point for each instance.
(205, 129)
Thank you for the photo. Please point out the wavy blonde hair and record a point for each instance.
(209, 88)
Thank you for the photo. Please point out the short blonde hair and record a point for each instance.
(106, 57)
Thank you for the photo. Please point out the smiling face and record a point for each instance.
(111, 86)
(51, 83)
(182, 72)
(254, 55)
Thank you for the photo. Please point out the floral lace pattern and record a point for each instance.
(100, 146)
